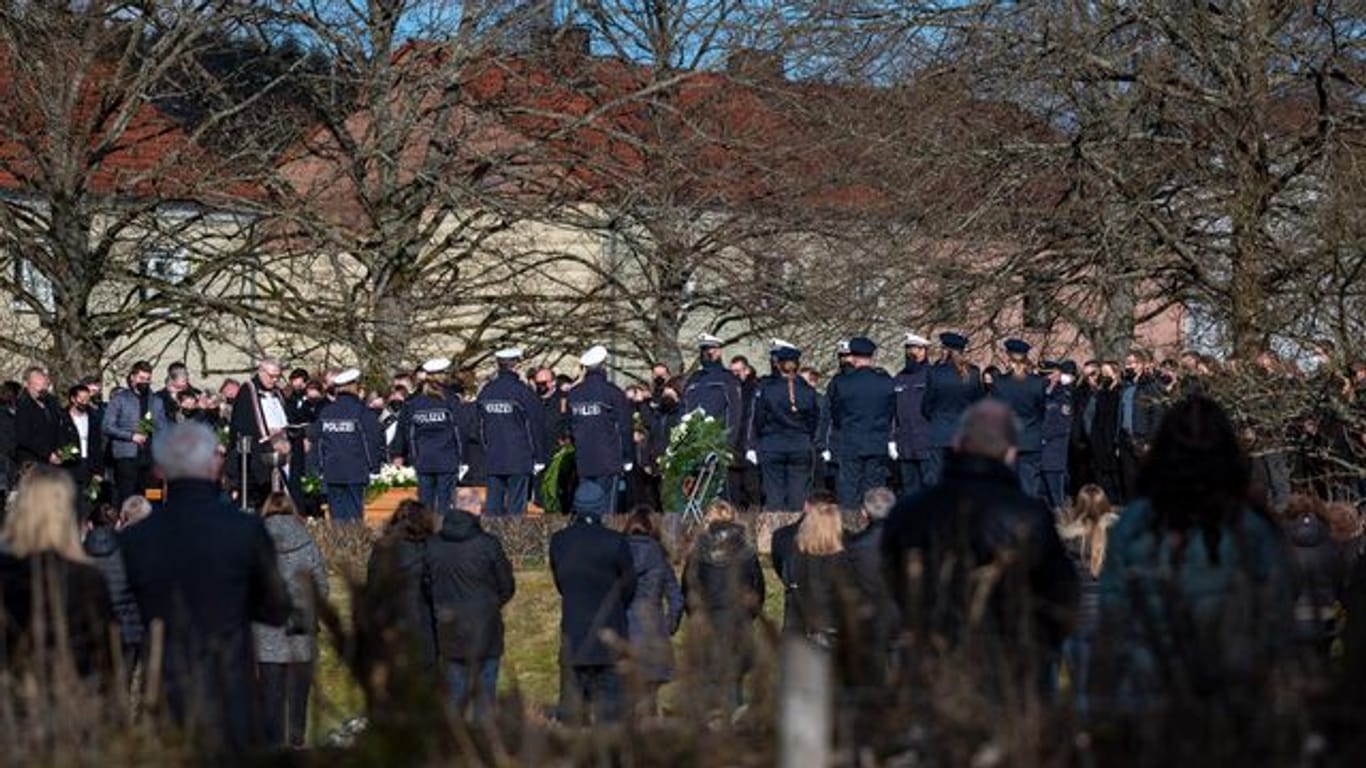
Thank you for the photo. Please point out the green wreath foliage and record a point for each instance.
(695, 438)
(560, 465)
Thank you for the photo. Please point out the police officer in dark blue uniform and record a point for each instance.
(350, 448)
(512, 431)
(863, 417)
(826, 435)
(600, 418)
(429, 438)
(912, 428)
(951, 387)
(1057, 435)
(782, 432)
(1025, 393)
(715, 391)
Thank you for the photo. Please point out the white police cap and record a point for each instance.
(437, 365)
(777, 344)
(594, 357)
(916, 340)
(707, 341)
(348, 376)
(511, 353)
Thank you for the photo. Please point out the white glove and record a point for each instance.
(464, 469)
(891, 451)
(752, 457)
(627, 467)
(536, 468)
(825, 455)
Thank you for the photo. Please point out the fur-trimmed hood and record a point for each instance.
(1076, 530)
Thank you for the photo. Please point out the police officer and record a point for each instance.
(1057, 435)
(715, 391)
(1025, 393)
(782, 432)
(512, 431)
(863, 417)
(350, 448)
(912, 429)
(951, 387)
(826, 435)
(600, 419)
(429, 439)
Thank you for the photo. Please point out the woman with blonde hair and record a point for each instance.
(1085, 532)
(55, 600)
(723, 586)
(820, 575)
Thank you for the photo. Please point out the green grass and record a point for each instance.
(530, 660)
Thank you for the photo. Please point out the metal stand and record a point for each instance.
(244, 445)
(693, 510)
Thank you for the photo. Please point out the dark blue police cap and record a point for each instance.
(862, 346)
(1017, 346)
(955, 341)
(787, 353)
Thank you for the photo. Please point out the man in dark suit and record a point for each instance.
(206, 572)
(80, 427)
(37, 421)
(596, 579)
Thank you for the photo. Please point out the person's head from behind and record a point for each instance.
(186, 451)
(43, 515)
(822, 530)
(590, 501)
(467, 499)
(877, 504)
(104, 516)
(135, 510)
(1088, 519)
(278, 503)
(719, 512)
(412, 521)
(1090, 505)
(988, 430)
(1196, 475)
(641, 523)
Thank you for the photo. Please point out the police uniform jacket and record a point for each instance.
(716, 391)
(785, 415)
(350, 444)
(511, 426)
(1026, 397)
(912, 428)
(947, 396)
(1057, 429)
(428, 436)
(600, 416)
(863, 412)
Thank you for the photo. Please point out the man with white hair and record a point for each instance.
(258, 414)
(206, 572)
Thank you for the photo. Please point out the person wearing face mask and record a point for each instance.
(1102, 430)
(1055, 435)
(124, 427)
(1140, 412)
(912, 428)
(81, 429)
(1079, 471)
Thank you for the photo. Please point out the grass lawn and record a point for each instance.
(530, 660)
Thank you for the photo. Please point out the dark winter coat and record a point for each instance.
(784, 416)
(102, 544)
(912, 428)
(428, 436)
(350, 444)
(1074, 539)
(947, 396)
(1102, 433)
(596, 578)
(978, 517)
(724, 582)
(655, 612)
(302, 567)
(715, 391)
(511, 426)
(8, 467)
(878, 612)
(471, 582)
(862, 413)
(398, 568)
(782, 548)
(1027, 397)
(823, 588)
(88, 610)
(37, 429)
(1320, 568)
(600, 416)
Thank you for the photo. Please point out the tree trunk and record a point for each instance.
(1114, 333)
(391, 333)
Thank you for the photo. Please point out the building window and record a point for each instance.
(33, 287)
(162, 266)
(1035, 312)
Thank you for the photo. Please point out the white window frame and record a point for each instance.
(31, 282)
(177, 258)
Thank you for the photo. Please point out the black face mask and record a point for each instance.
(659, 381)
(543, 388)
(1106, 382)
(142, 389)
(1130, 374)
(396, 405)
(82, 407)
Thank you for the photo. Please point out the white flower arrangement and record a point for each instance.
(392, 476)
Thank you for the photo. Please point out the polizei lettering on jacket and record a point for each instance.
(499, 407)
(589, 409)
(338, 426)
(430, 417)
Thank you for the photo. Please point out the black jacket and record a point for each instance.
(822, 588)
(596, 578)
(722, 579)
(1321, 569)
(102, 544)
(88, 611)
(399, 567)
(878, 612)
(206, 571)
(471, 582)
(37, 429)
(782, 548)
(8, 467)
(93, 463)
(979, 517)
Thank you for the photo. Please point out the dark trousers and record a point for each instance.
(1128, 468)
(858, 475)
(786, 480)
(284, 702)
(131, 477)
(597, 692)
(608, 484)
(507, 495)
(1027, 465)
(1053, 486)
(911, 474)
(436, 491)
(742, 486)
(347, 502)
(933, 469)
(472, 687)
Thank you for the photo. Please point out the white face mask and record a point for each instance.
(1067, 379)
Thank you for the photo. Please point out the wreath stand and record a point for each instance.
(698, 488)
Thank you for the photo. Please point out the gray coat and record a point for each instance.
(299, 561)
(121, 421)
